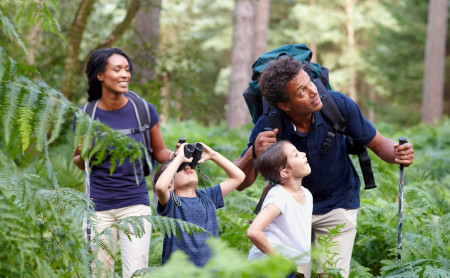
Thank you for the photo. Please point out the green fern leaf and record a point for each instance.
(42, 119)
(61, 112)
(2, 66)
(10, 31)
(9, 114)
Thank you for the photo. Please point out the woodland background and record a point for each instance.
(192, 61)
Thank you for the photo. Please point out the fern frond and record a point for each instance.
(42, 119)
(10, 31)
(2, 67)
(435, 272)
(26, 114)
(10, 111)
(61, 112)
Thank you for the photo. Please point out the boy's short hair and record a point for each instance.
(161, 170)
(272, 161)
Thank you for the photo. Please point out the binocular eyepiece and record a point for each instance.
(192, 150)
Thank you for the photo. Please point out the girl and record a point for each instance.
(284, 224)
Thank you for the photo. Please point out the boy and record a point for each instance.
(178, 198)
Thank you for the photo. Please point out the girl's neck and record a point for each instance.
(294, 187)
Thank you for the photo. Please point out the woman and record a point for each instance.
(117, 196)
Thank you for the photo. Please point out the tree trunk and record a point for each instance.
(433, 85)
(72, 66)
(261, 26)
(118, 31)
(73, 48)
(146, 40)
(351, 43)
(313, 45)
(241, 54)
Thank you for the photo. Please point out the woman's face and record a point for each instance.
(116, 77)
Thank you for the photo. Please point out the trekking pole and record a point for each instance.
(401, 141)
(88, 194)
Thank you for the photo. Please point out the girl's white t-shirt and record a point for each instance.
(290, 232)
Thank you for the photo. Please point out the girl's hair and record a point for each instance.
(96, 64)
(270, 163)
(161, 170)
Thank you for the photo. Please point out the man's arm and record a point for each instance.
(390, 151)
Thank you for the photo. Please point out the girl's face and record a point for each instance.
(185, 178)
(296, 161)
(116, 77)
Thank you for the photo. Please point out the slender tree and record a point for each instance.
(146, 40)
(72, 63)
(241, 55)
(261, 28)
(433, 85)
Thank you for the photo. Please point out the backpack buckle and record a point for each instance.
(327, 143)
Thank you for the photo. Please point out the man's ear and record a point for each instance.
(284, 106)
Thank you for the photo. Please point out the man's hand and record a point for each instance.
(264, 140)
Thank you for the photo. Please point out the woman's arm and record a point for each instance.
(235, 175)
(160, 152)
(256, 230)
(77, 160)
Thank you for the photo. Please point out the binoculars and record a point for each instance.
(192, 150)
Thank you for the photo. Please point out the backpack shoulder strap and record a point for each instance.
(142, 115)
(331, 113)
(334, 116)
(272, 118)
(90, 108)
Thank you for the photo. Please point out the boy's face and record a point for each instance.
(186, 178)
(296, 161)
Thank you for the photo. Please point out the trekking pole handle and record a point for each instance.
(401, 141)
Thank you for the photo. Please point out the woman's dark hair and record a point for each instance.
(276, 76)
(161, 170)
(96, 64)
(270, 163)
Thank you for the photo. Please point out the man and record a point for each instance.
(333, 182)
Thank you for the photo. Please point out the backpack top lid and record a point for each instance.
(300, 52)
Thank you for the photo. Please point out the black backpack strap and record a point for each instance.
(366, 169)
(272, 118)
(142, 115)
(90, 108)
(333, 115)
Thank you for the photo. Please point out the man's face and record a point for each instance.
(303, 96)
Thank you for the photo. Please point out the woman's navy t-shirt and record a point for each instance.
(120, 189)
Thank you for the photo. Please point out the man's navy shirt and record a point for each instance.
(333, 182)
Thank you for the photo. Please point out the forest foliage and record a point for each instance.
(43, 204)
